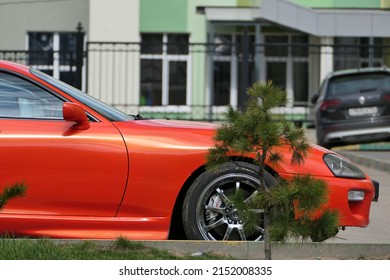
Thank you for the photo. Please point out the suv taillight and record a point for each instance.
(326, 104)
(386, 97)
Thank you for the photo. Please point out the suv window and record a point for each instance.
(22, 99)
(344, 85)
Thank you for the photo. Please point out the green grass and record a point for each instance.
(121, 249)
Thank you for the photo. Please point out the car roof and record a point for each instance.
(358, 71)
(14, 66)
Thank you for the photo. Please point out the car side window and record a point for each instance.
(20, 98)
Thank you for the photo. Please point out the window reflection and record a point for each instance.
(21, 99)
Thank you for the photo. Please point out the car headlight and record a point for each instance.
(341, 167)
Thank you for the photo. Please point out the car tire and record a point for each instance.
(209, 214)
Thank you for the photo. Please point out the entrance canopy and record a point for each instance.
(321, 23)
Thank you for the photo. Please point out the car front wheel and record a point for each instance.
(208, 209)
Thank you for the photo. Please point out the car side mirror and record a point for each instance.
(73, 112)
(314, 98)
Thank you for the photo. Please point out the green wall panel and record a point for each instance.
(248, 3)
(340, 3)
(163, 16)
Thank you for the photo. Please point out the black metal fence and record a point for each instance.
(197, 81)
(207, 77)
(62, 65)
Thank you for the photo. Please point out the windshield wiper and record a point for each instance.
(139, 117)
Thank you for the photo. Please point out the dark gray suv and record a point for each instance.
(353, 106)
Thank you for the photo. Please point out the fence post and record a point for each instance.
(79, 55)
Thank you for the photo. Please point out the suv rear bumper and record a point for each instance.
(358, 135)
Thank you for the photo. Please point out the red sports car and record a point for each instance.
(94, 172)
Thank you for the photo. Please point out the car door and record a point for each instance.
(67, 172)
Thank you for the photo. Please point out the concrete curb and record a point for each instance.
(280, 251)
(255, 250)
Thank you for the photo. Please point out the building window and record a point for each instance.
(352, 52)
(54, 53)
(227, 67)
(284, 60)
(300, 68)
(286, 64)
(40, 46)
(164, 69)
(222, 68)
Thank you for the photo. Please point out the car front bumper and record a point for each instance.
(376, 187)
(351, 213)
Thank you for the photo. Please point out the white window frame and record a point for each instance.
(166, 59)
(56, 67)
(289, 60)
(234, 64)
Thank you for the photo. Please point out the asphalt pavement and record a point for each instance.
(372, 155)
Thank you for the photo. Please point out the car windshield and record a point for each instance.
(349, 84)
(102, 108)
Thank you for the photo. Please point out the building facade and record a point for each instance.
(191, 58)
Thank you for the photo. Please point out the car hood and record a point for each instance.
(168, 134)
(161, 123)
(175, 137)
